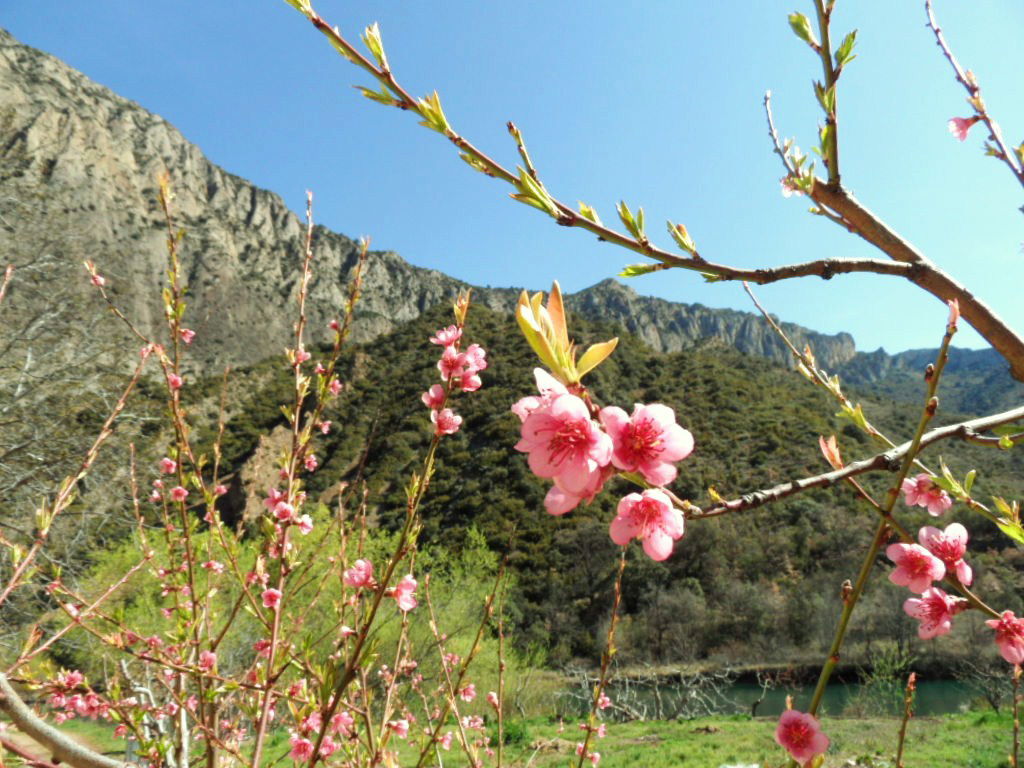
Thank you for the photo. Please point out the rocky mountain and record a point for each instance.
(78, 170)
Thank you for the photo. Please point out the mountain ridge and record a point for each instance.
(79, 158)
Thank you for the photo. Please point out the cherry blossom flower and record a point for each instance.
(558, 501)
(916, 567)
(447, 337)
(400, 727)
(921, 491)
(452, 364)
(547, 385)
(98, 280)
(311, 462)
(168, 466)
(649, 516)
(335, 387)
(262, 648)
(207, 660)
(220, 490)
(648, 442)
(563, 442)
(433, 398)
(302, 748)
(949, 546)
(405, 593)
(179, 494)
(959, 126)
(935, 610)
(360, 574)
(187, 335)
(271, 598)
(342, 723)
(284, 511)
(334, 325)
(468, 693)
(174, 381)
(325, 427)
(492, 699)
(476, 358)
(1009, 636)
(446, 422)
(446, 740)
(603, 702)
(800, 735)
(305, 524)
(214, 566)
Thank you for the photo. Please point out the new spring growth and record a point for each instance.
(545, 330)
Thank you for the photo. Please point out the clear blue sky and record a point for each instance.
(655, 102)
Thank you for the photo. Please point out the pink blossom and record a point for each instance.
(71, 679)
(187, 335)
(155, 496)
(400, 727)
(220, 490)
(98, 280)
(476, 358)
(346, 631)
(558, 501)
(174, 381)
(1009, 636)
(214, 566)
(334, 325)
(360, 574)
(800, 735)
(305, 524)
(446, 740)
(274, 498)
(470, 382)
(271, 598)
(179, 494)
(446, 422)
(319, 369)
(648, 442)
(262, 648)
(921, 491)
(492, 699)
(547, 385)
(335, 387)
(284, 511)
(207, 660)
(328, 747)
(564, 443)
(949, 546)
(433, 398)
(168, 466)
(603, 702)
(916, 567)
(935, 610)
(311, 462)
(301, 356)
(342, 723)
(405, 593)
(452, 364)
(959, 126)
(468, 693)
(649, 516)
(302, 748)
(446, 337)
(325, 427)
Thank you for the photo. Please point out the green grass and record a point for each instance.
(971, 740)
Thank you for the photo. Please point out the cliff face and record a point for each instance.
(80, 159)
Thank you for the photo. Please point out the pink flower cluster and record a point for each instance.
(459, 369)
(565, 443)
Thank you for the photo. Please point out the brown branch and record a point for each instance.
(63, 748)
(970, 84)
(889, 461)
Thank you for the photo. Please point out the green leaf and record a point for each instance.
(1005, 443)
(801, 27)
(969, 480)
(1012, 529)
(589, 213)
(844, 53)
(635, 270)
(595, 355)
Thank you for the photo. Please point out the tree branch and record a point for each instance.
(889, 461)
(63, 748)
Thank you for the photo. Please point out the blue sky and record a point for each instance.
(655, 102)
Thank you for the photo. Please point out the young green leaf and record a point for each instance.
(844, 53)
(635, 270)
(801, 27)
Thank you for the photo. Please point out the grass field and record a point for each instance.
(971, 740)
